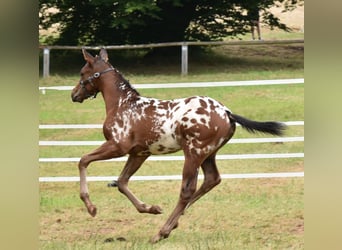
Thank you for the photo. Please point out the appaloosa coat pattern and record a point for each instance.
(139, 127)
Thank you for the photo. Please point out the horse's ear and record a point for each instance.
(104, 55)
(88, 57)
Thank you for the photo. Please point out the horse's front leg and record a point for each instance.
(106, 151)
(132, 165)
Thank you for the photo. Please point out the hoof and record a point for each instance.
(155, 210)
(112, 184)
(156, 239)
(92, 210)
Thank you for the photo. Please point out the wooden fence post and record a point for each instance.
(184, 59)
(184, 49)
(46, 62)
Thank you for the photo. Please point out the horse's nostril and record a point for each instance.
(74, 98)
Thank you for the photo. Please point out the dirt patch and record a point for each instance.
(299, 228)
(293, 19)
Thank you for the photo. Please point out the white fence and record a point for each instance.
(177, 158)
(181, 158)
(90, 126)
(232, 141)
(173, 177)
(197, 84)
(183, 45)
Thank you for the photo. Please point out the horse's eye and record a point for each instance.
(81, 74)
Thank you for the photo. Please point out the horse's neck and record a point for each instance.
(117, 93)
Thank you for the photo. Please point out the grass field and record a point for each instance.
(238, 214)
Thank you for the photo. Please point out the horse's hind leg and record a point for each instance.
(132, 165)
(189, 183)
(211, 174)
(211, 178)
(107, 150)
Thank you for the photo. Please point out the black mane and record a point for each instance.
(124, 82)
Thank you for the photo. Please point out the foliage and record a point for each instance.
(94, 22)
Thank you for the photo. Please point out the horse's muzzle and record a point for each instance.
(76, 97)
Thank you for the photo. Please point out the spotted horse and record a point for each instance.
(138, 126)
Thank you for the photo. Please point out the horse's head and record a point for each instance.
(89, 84)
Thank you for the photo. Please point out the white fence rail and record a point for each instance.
(93, 126)
(172, 177)
(232, 141)
(198, 84)
(181, 157)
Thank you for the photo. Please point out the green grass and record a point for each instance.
(285, 102)
(238, 214)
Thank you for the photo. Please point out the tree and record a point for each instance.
(94, 22)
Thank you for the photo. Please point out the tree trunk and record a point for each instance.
(174, 21)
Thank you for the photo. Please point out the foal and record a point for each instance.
(140, 127)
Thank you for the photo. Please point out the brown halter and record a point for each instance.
(90, 79)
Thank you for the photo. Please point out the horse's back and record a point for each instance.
(195, 122)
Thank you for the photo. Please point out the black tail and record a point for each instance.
(274, 128)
